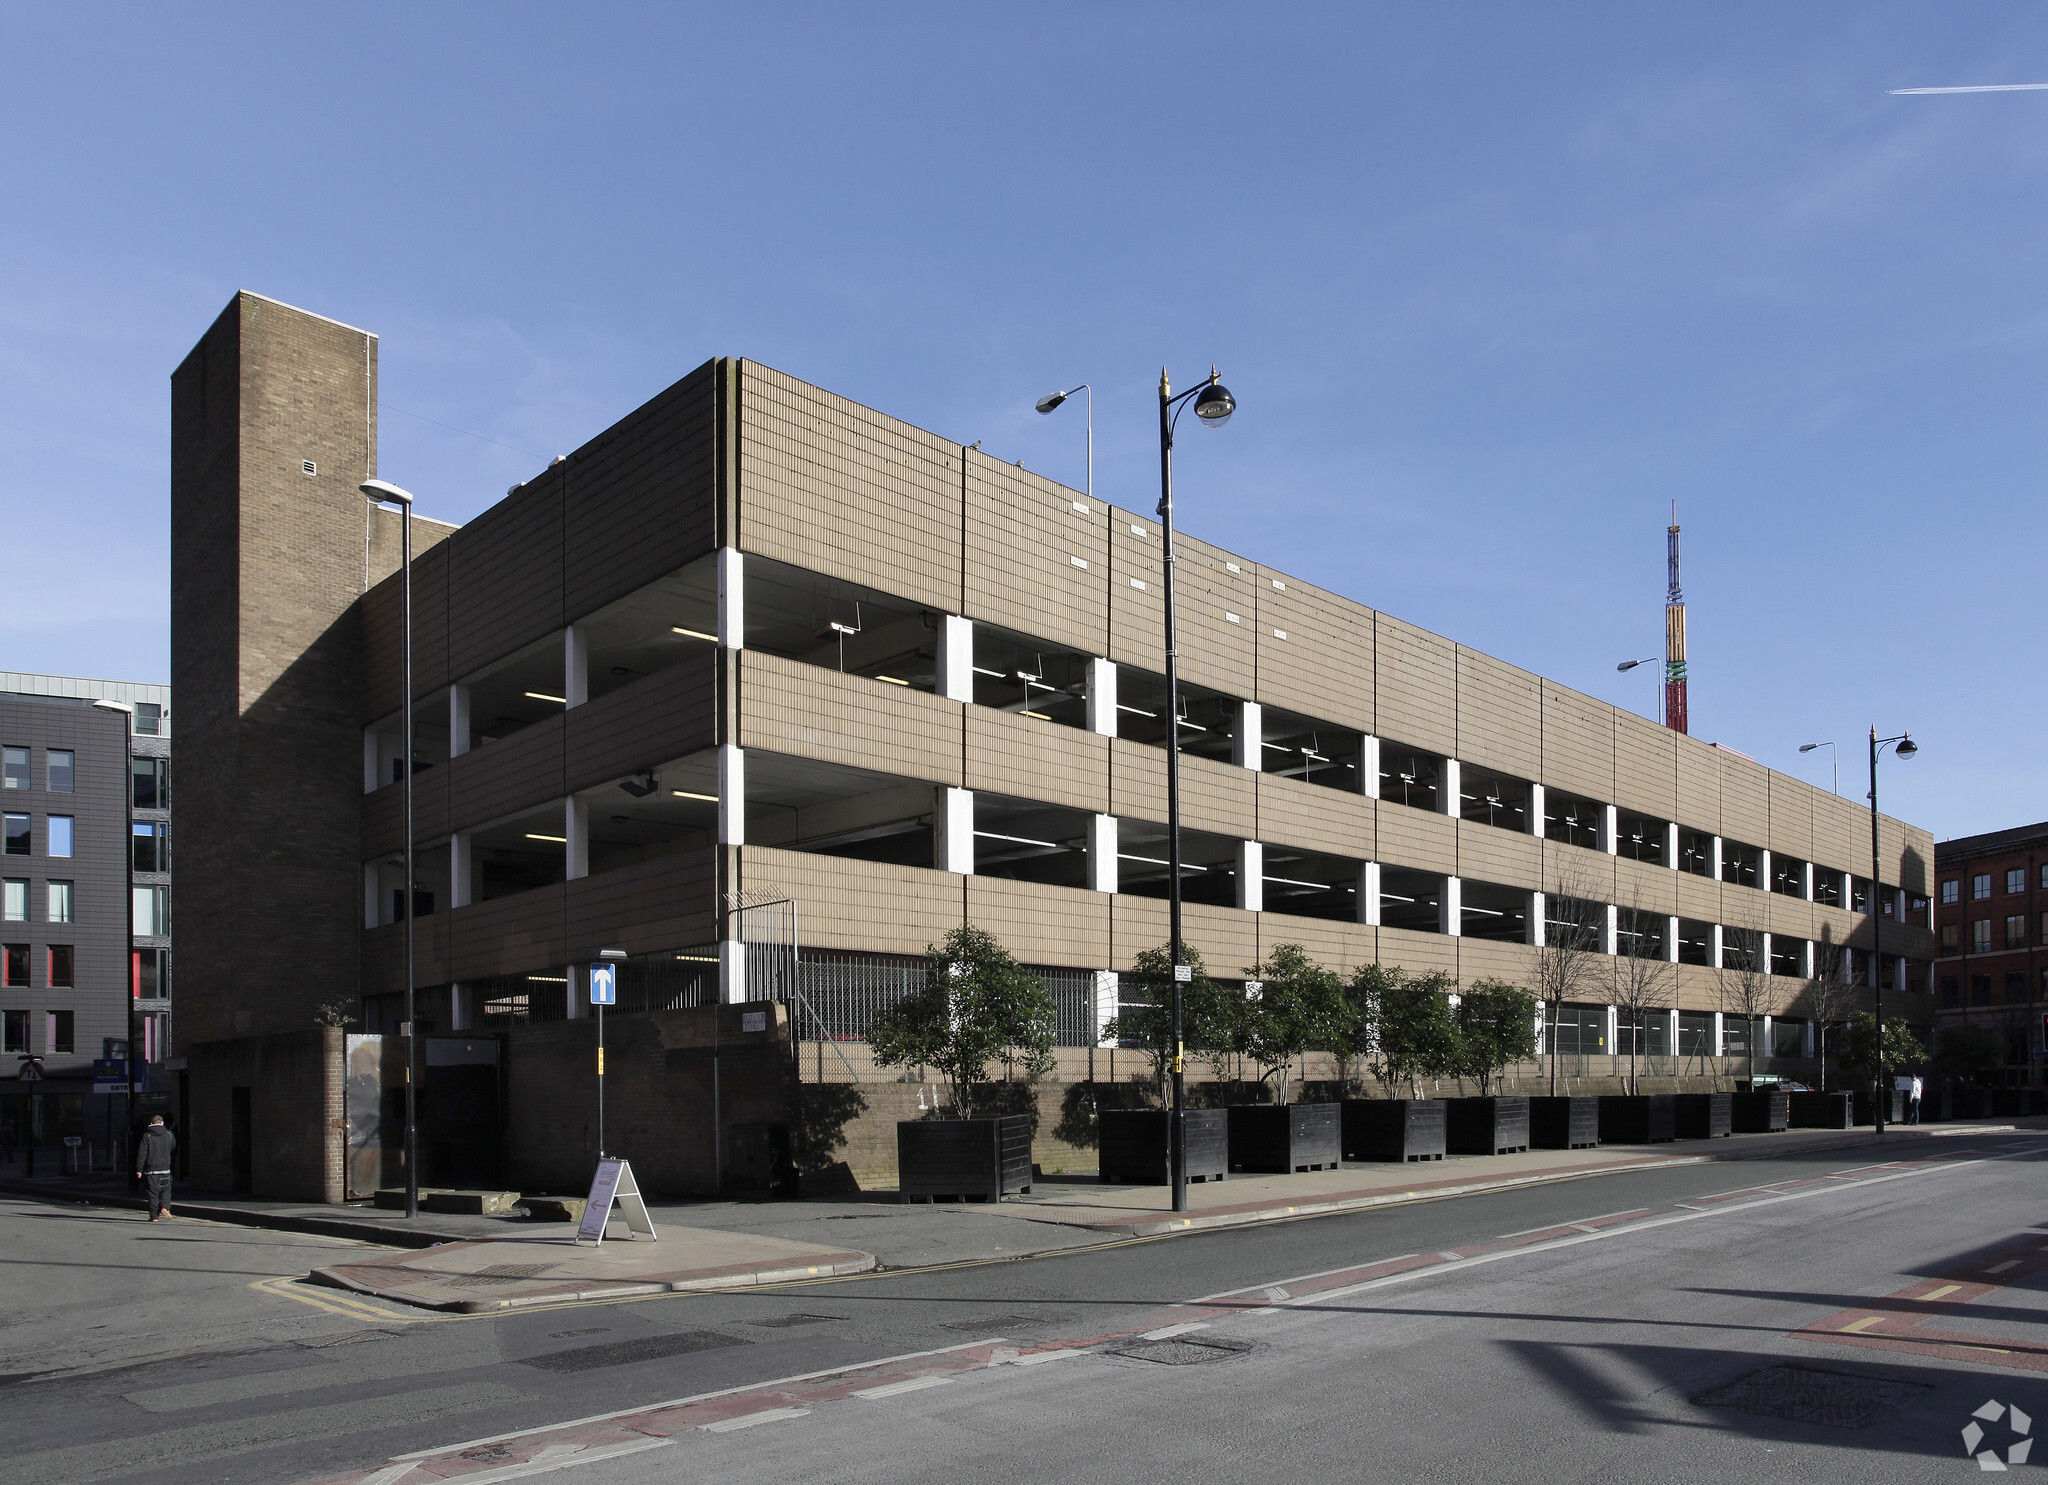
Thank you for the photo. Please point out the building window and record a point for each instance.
(2044, 877)
(17, 835)
(63, 771)
(152, 912)
(152, 973)
(149, 718)
(13, 1031)
(2016, 879)
(61, 966)
(14, 966)
(1951, 939)
(1951, 993)
(14, 900)
(1980, 936)
(60, 901)
(1980, 886)
(15, 770)
(1740, 863)
(1953, 891)
(2016, 931)
(150, 783)
(61, 835)
(1980, 989)
(57, 1031)
(151, 846)
(1696, 852)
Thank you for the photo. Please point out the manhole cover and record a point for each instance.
(781, 1322)
(1001, 1322)
(1804, 1395)
(1182, 1352)
(497, 1273)
(623, 1353)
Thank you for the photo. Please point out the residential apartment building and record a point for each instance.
(757, 644)
(1991, 916)
(85, 784)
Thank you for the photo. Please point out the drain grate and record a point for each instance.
(1000, 1323)
(497, 1273)
(624, 1353)
(1805, 1395)
(1181, 1352)
(781, 1322)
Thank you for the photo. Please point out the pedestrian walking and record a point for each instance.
(1913, 1100)
(153, 1165)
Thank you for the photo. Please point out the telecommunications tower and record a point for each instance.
(1674, 638)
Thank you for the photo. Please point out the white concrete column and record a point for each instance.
(1453, 786)
(462, 1007)
(1671, 1040)
(1105, 1004)
(576, 826)
(1102, 863)
(1251, 876)
(1610, 929)
(1610, 829)
(1539, 907)
(1613, 1030)
(1369, 893)
(1763, 949)
(578, 991)
(1542, 1036)
(732, 795)
(1714, 945)
(1101, 697)
(1806, 960)
(1248, 736)
(1671, 939)
(1806, 881)
(458, 721)
(1720, 1030)
(732, 598)
(575, 666)
(1717, 858)
(1369, 766)
(1450, 915)
(732, 972)
(461, 870)
(1763, 868)
(1671, 845)
(1764, 1043)
(373, 895)
(1806, 1038)
(955, 677)
(956, 830)
(373, 760)
(1536, 810)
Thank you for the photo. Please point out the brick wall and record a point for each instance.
(296, 1082)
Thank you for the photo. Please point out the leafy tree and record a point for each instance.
(1496, 1027)
(978, 1005)
(1415, 1031)
(1354, 1034)
(1970, 1049)
(1146, 1017)
(1298, 1005)
(1902, 1050)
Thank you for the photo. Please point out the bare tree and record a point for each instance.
(1568, 960)
(1746, 980)
(1830, 995)
(1640, 977)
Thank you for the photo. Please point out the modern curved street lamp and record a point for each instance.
(1051, 401)
(1902, 746)
(1836, 754)
(1213, 405)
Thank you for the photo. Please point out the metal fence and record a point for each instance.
(839, 995)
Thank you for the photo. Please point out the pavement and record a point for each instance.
(474, 1263)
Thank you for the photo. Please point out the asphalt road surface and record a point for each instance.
(1643, 1326)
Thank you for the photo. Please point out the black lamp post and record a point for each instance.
(384, 493)
(1213, 405)
(1904, 746)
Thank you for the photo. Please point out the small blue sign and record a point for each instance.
(110, 1075)
(604, 984)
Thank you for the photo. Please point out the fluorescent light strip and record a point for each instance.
(560, 840)
(1022, 840)
(688, 794)
(891, 680)
(543, 696)
(692, 633)
(1155, 861)
(1291, 882)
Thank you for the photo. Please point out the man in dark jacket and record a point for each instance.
(153, 1165)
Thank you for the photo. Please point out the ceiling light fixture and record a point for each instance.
(543, 696)
(692, 633)
(687, 794)
(560, 840)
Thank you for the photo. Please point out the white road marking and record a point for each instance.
(389, 1475)
(748, 1420)
(548, 1461)
(1037, 1356)
(1999, 1268)
(1167, 1332)
(893, 1389)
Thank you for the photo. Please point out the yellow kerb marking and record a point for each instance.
(1858, 1325)
(1944, 1289)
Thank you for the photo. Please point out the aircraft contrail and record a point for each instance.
(1981, 88)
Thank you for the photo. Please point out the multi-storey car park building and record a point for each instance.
(84, 913)
(756, 661)
(1992, 919)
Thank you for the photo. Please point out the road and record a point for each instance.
(1433, 1346)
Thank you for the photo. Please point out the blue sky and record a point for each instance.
(1494, 284)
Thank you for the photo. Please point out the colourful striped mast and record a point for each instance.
(1674, 638)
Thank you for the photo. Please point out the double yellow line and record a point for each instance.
(335, 1302)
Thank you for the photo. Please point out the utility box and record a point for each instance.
(757, 1161)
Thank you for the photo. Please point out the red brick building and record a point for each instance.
(1991, 917)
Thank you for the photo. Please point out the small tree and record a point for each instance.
(1496, 1027)
(1639, 978)
(1298, 1005)
(1207, 1017)
(1745, 982)
(1567, 963)
(1902, 1050)
(1830, 995)
(1417, 1033)
(1970, 1049)
(978, 1005)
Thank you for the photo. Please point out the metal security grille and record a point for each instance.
(840, 994)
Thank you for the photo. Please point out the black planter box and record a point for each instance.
(1283, 1137)
(1637, 1119)
(1564, 1123)
(1486, 1126)
(1702, 1116)
(1895, 1111)
(963, 1159)
(1394, 1128)
(1820, 1110)
(1134, 1145)
(1764, 1111)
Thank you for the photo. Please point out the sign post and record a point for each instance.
(604, 991)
